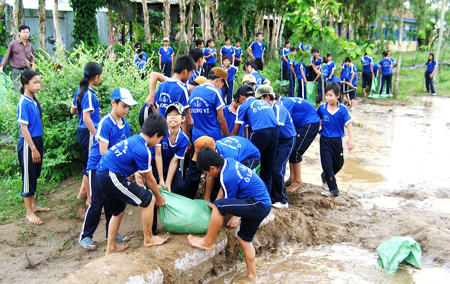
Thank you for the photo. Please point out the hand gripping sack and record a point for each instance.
(182, 215)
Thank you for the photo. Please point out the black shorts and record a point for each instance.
(259, 64)
(118, 191)
(305, 136)
(366, 79)
(352, 94)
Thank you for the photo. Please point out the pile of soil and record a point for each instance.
(50, 253)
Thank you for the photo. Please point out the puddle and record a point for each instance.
(343, 263)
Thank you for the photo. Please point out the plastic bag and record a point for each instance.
(397, 250)
(375, 86)
(182, 215)
(311, 91)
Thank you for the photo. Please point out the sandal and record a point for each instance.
(87, 243)
(120, 238)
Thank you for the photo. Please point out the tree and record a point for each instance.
(85, 21)
(57, 27)
(17, 18)
(166, 22)
(42, 26)
(191, 30)
(400, 39)
(441, 32)
(146, 21)
(182, 35)
(2, 5)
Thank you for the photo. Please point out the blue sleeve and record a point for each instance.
(240, 113)
(103, 131)
(160, 52)
(221, 50)
(171, 51)
(181, 150)
(87, 102)
(347, 117)
(233, 51)
(319, 111)
(218, 101)
(319, 61)
(252, 46)
(144, 56)
(234, 69)
(23, 115)
(206, 52)
(184, 98)
(230, 180)
(143, 159)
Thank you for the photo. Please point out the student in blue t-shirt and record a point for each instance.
(243, 195)
(256, 51)
(206, 106)
(197, 55)
(232, 147)
(251, 69)
(367, 74)
(429, 73)
(227, 50)
(210, 56)
(376, 69)
(286, 143)
(386, 73)
(166, 58)
(322, 79)
(334, 117)
(228, 91)
(30, 147)
(112, 129)
(260, 117)
(352, 82)
(285, 60)
(118, 164)
(230, 112)
(394, 62)
(86, 104)
(140, 59)
(237, 52)
(306, 123)
(297, 72)
(331, 66)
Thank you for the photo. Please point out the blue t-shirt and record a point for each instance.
(331, 68)
(287, 128)
(205, 100)
(257, 49)
(316, 62)
(170, 91)
(345, 72)
(227, 51)
(195, 74)
(302, 111)
(108, 131)
(259, 78)
(386, 66)
(365, 62)
(237, 52)
(353, 70)
(169, 150)
(325, 70)
(285, 52)
(375, 68)
(166, 54)
(258, 114)
(240, 182)
(231, 72)
(141, 62)
(304, 47)
(333, 123)
(230, 117)
(127, 157)
(212, 59)
(89, 103)
(28, 113)
(297, 68)
(431, 65)
(237, 148)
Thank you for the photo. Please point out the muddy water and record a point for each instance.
(403, 147)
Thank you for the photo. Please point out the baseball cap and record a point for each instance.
(203, 142)
(166, 39)
(124, 95)
(175, 105)
(264, 90)
(248, 78)
(198, 81)
(221, 73)
(245, 90)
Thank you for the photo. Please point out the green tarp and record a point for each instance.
(311, 91)
(376, 87)
(182, 215)
(397, 250)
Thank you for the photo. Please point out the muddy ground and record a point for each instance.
(50, 253)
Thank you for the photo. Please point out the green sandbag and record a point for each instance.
(257, 170)
(311, 91)
(182, 215)
(397, 250)
(375, 85)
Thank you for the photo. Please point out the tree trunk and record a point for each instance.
(207, 23)
(399, 59)
(190, 28)
(182, 36)
(267, 32)
(216, 20)
(441, 34)
(202, 19)
(119, 22)
(344, 29)
(2, 5)
(57, 26)
(42, 27)
(17, 18)
(166, 22)
(146, 21)
(259, 23)
(244, 29)
(110, 23)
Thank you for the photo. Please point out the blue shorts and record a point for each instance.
(252, 213)
(118, 191)
(305, 136)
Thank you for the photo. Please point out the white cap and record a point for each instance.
(124, 95)
(166, 39)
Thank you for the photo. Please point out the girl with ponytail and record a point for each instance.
(30, 147)
(86, 104)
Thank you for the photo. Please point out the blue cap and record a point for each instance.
(124, 95)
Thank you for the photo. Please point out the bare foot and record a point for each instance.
(155, 241)
(294, 186)
(288, 182)
(234, 222)
(40, 209)
(199, 243)
(81, 194)
(117, 249)
(34, 219)
(252, 277)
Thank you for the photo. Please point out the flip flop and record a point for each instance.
(86, 243)
(121, 238)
